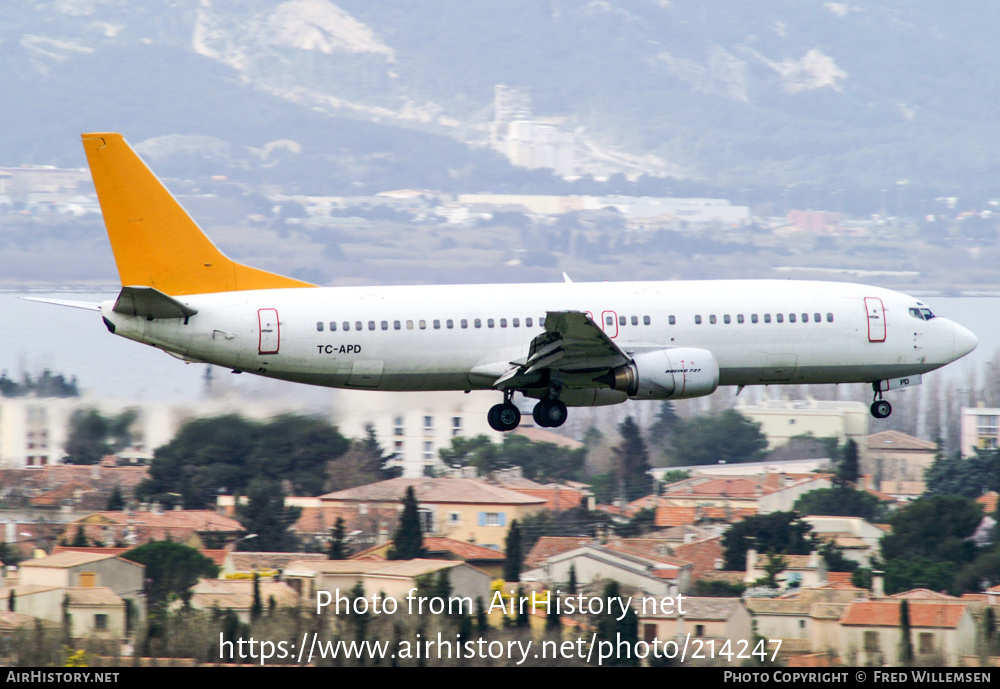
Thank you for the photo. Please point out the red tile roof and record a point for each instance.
(886, 614)
(549, 546)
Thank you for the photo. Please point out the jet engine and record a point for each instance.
(666, 374)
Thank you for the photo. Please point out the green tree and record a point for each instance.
(774, 564)
(632, 462)
(226, 454)
(930, 541)
(92, 435)
(336, 551)
(848, 467)
(781, 533)
(572, 584)
(841, 501)
(257, 606)
(729, 437)
(615, 631)
(171, 568)
(12, 601)
(512, 553)
(905, 642)
(80, 539)
(116, 501)
(266, 515)
(408, 542)
(968, 476)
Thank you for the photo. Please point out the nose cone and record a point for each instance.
(965, 341)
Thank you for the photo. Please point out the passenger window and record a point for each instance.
(357, 325)
(671, 320)
(437, 324)
(541, 322)
(422, 324)
(465, 323)
(767, 318)
(645, 320)
(753, 318)
(527, 322)
(347, 326)
(409, 325)
(396, 325)
(489, 322)
(450, 324)
(622, 320)
(333, 326)
(725, 319)
(503, 322)
(385, 325)
(780, 317)
(829, 318)
(371, 325)
(635, 320)
(516, 322)
(478, 323)
(817, 318)
(711, 319)
(739, 318)
(805, 318)
(697, 320)
(791, 318)
(610, 320)
(319, 326)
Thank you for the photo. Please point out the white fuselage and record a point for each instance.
(463, 337)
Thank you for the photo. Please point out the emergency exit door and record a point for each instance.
(270, 331)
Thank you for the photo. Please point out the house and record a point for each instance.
(806, 620)
(942, 632)
(437, 548)
(243, 565)
(897, 462)
(196, 528)
(238, 596)
(88, 570)
(857, 538)
(659, 575)
(93, 612)
(801, 571)
(392, 579)
(702, 618)
(460, 508)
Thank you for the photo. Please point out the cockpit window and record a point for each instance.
(922, 312)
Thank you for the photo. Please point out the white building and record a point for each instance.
(782, 420)
(980, 429)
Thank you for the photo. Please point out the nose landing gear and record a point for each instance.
(880, 408)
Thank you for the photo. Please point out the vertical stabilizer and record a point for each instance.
(155, 242)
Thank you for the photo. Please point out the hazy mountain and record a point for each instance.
(370, 95)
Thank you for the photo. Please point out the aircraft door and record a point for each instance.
(876, 319)
(270, 331)
(609, 322)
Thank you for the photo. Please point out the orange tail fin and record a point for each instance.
(155, 242)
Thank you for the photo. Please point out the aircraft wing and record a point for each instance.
(571, 344)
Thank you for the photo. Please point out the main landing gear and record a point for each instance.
(880, 408)
(548, 413)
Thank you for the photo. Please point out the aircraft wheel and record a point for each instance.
(504, 417)
(538, 414)
(881, 409)
(550, 413)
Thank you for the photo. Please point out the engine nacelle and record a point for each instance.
(666, 374)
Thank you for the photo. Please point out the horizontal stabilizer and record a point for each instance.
(148, 302)
(90, 306)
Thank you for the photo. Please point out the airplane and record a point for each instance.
(563, 344)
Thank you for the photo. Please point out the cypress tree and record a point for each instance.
(905, 645)
(336, 551)
(257, 607)
(408, 542)
(512, 559)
